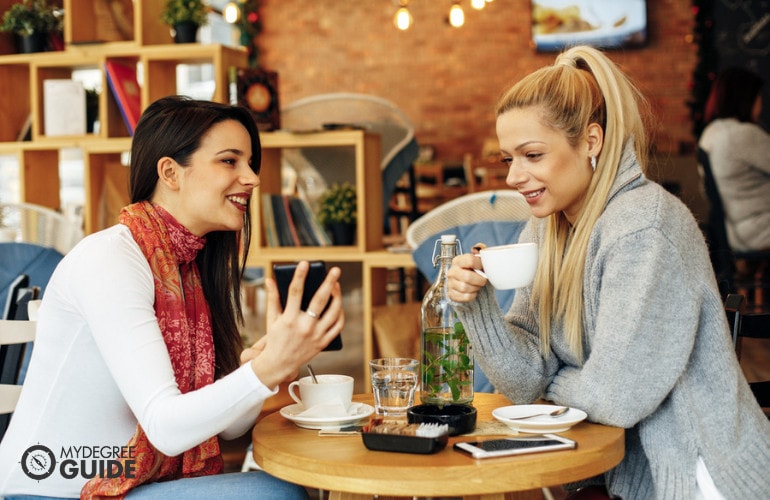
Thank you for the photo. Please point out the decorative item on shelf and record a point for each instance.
(92, 111)
(338, 211)
(34, 23)
(258, 91)
(185, 17)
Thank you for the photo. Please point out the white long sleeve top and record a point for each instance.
(739, 153)
(100, 366)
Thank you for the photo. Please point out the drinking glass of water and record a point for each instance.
(394, 381)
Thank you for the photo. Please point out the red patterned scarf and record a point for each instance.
(185, 321)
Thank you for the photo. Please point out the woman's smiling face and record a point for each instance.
(217, 185)
(552, 175)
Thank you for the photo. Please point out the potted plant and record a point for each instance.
(338, 211)
(185, 17)
(32, 21)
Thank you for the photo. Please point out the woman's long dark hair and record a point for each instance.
(732, 95)
(174, 126)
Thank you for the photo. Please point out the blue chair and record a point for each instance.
(36, 261)
(490, 217)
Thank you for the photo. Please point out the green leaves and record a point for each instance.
(177, 11)
(338, 204)
(447, 362)
(30, 16)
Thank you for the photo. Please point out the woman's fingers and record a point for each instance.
(462, 280)
(322, 296)
(297, 286)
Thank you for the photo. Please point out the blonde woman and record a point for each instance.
(624, 319)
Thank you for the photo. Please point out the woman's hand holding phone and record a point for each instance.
(294, 336)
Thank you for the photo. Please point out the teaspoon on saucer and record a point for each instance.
(555, 413)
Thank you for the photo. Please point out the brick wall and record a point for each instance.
(446, 79)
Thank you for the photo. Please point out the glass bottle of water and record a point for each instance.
(446, 358)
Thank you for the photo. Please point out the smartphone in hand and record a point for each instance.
(284, 273)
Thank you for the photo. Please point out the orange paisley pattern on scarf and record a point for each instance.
(185, 322)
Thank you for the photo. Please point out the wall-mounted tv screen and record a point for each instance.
(558, 24)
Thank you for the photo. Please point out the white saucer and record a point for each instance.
(356, 412)
(538, 425)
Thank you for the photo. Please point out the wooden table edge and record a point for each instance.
(462, 478)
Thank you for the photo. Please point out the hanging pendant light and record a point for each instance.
(478, 4)
(403, 18)
(231, 13)
(456, 15)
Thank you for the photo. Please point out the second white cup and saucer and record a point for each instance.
(324, 404)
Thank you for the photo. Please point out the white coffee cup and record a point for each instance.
(330, 390)
(509, 266)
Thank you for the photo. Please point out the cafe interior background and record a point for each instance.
(446, 79)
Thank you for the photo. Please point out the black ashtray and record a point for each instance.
(461, 419)
(404, 444)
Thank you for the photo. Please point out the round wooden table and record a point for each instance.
(346, 468)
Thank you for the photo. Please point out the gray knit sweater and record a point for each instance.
(658, 360)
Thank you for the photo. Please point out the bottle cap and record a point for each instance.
(448, 238)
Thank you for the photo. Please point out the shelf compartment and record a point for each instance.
(14, 100)
(116, 21)
(62, 66)
(106, 182)
(161, 63)
(365, 175)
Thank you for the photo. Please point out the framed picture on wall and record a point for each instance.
(258, 91)
(558, 24)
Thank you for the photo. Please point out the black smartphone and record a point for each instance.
(284, 273)
(515, 446)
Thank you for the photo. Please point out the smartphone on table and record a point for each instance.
(284, 273)
(504, 447)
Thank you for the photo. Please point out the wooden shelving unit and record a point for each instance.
(105, 152)
(88, 45)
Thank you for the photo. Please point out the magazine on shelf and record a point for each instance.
(121, 77)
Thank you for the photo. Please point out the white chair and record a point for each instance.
(30, 223)
(484, 206)
(15, 336)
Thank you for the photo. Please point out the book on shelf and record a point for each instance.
(289, 222)
(285, 238)
(121, 77)
(268, 221)
(320, 236)
(25, 132)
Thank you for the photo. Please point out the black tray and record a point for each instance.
(404, 444)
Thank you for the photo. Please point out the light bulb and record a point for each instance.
(231, 13)
(478, 4)
(456, 16)
(403, 18)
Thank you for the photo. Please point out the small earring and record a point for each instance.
(593, 163)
